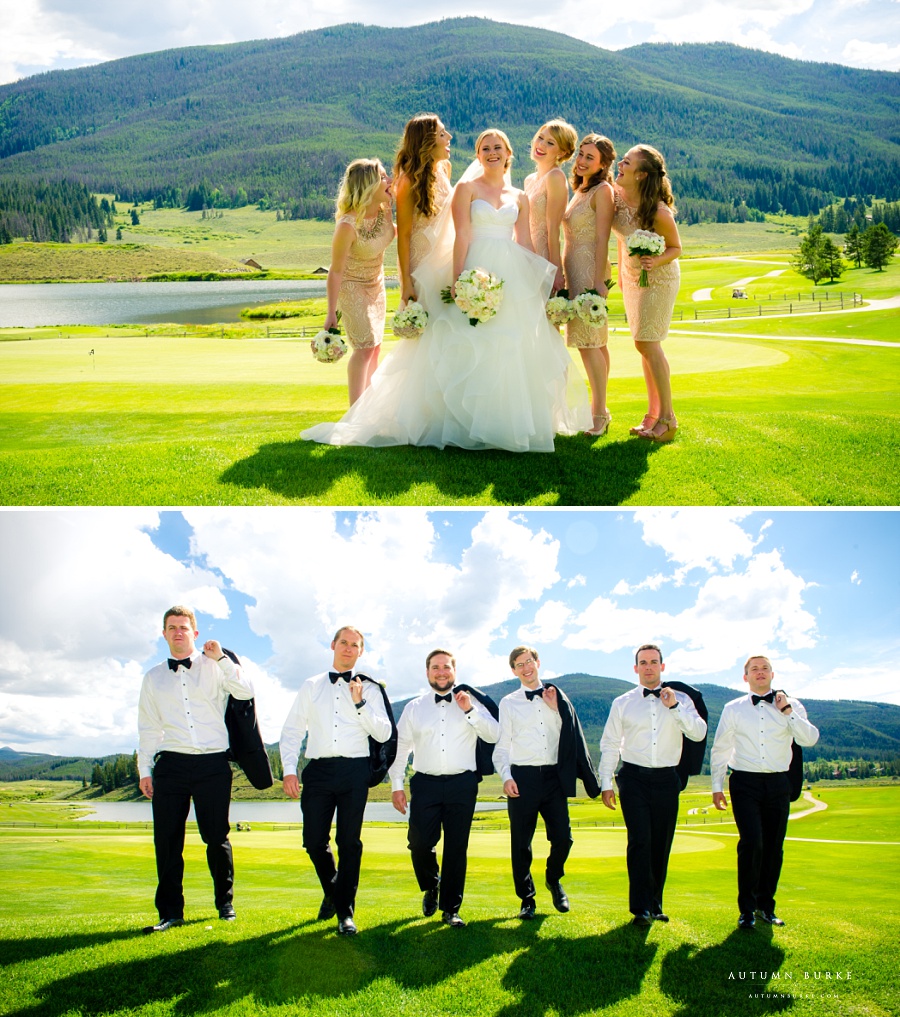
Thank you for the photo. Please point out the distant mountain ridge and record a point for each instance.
(277, 120)
(849, 729)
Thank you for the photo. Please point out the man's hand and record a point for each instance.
(291, 785)
(782, 701)
(510, 788)
(356, 689)
(463, 701)
(399, 800)
(550, 698)
(720, 801)
(667, 697)
(609, 798)
(213, 649)
(146, 786)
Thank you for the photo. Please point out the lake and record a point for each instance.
(249, 812)
(189, 303)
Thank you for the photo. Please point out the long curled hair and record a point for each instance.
(565, 136)
(607, 156)
(654, 187)
(415, 159)
(362, 178)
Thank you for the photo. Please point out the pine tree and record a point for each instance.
(831, 256)
(853, 245)
(809, 259)
(878, 246)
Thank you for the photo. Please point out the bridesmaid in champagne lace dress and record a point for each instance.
(422, 187)
(586, 226)
(355, 284)
(548, 191)
(643, 197)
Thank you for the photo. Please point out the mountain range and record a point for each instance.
(849, 729)
(275, 121)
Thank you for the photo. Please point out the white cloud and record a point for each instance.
(698, 538)
(854, 578)
(871, 684)
(549, 623)
(884, 56)
(307, 578)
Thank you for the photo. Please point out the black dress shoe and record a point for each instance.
(643, 920)
(658, 916)
(452, 919)
(746, 920)
(162, 925)
(560, 900)
(347, 927)
(430, 902)
(769, 917)
(326, 910)
(526, 911)
(226, 913)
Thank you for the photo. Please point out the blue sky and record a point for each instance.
(83, 593)
(40, 35)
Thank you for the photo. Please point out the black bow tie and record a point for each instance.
(651, 692)
(529, 695)
(334, 675)
(443, 699)
(173, 664)
(770, 698)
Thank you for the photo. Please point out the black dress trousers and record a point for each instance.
(540, 794)
(177, 778)
(761, 803)
(341, 784)
(649, 799)
(436, 804)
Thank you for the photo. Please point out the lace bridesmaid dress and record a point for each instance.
(361, 300)
(537, 223)
(648, 308)
(580, 236)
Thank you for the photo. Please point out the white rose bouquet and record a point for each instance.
(590, 307)
(643, 242)
(328, 346)
(478, 295)
(410, 322)
(560, 309)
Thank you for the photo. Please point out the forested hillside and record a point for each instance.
(275, 121)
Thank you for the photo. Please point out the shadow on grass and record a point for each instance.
(311, 963)
(582, 471)
(17, 950)
(708, 982)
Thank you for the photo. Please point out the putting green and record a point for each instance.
(164, 360)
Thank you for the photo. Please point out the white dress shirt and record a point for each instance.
(326, 715)
(644, 731)
(529, 733)
(757, 738)
(184, 710)
(441, 737)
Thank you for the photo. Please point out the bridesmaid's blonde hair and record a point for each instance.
(502, 136)
(654, 187)
(565, 136)
(362, 178)
(608, 156)
(415, 159)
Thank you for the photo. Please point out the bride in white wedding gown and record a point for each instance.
(508, 383)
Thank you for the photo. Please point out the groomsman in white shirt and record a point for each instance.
(441, 729)
(754, 738)
(337, 711)
(538, 776)
(645, 729)
(183, 755)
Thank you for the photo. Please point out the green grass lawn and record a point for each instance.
(69, 941)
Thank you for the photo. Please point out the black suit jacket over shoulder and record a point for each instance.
(574, 761)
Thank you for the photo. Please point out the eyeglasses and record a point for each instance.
(523, 664)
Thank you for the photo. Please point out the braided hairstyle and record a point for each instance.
(654, 187)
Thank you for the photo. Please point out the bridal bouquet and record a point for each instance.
(410, 322)
(560, 309)
(590, 307)
(643, 242)
(478, 295)
(328, 346)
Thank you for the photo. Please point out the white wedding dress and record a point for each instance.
(508, 383)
